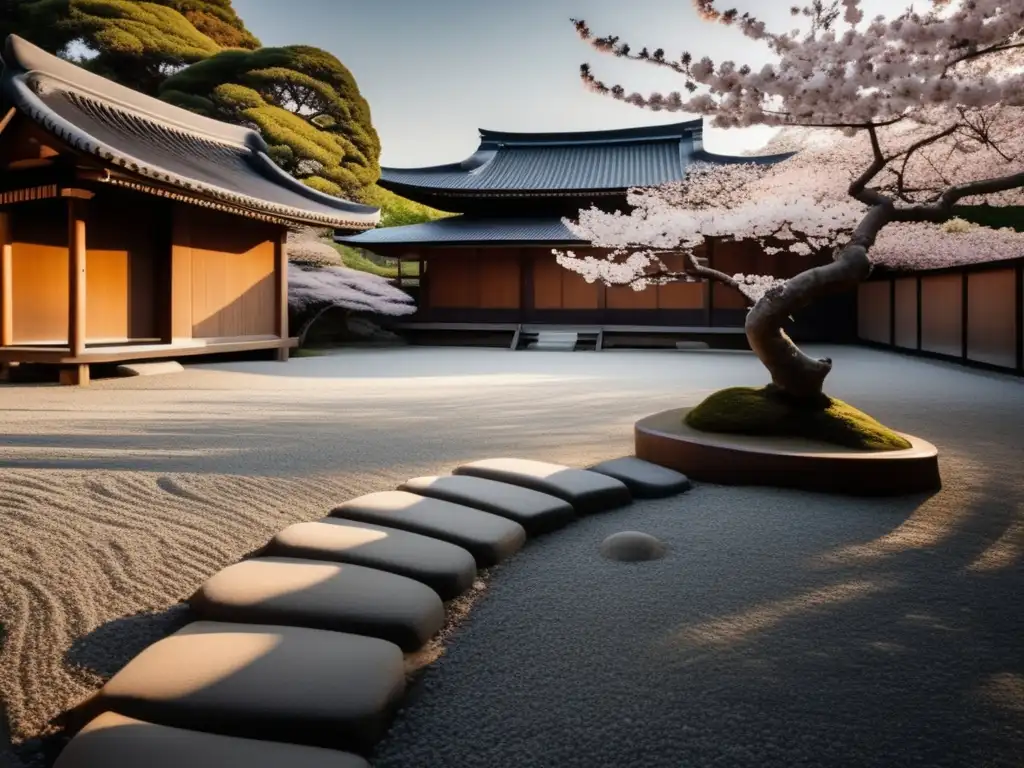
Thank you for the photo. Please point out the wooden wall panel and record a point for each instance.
(39, 264)
(126, 238)
(680, 295)
(577, 293)
(991, 317)
(906, 312)
(941, 314)
(547, 282)
(454, 279)
(232, 274)
(499, 277)
(735, 258)
(181, 272)
(624, 297)
(873, 311)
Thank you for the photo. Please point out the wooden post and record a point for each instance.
(76, 276)
(6, 280)
(281, 294)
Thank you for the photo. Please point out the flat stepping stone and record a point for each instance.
(488, 538)
(536, 512)
(588, 492)
(320, 595)
(291, 684)
(644, 479)
(114, 741)
(446, 568)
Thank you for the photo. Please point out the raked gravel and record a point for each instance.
(780, 629)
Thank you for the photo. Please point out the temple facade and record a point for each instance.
(492, 265)
(134, 230)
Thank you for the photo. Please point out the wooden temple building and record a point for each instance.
(133, 230)
(492, 267)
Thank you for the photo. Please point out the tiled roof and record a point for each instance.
(143, 141)
(593, 161)
(467, 230)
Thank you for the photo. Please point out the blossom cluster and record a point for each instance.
(348, 288)
(831, 75)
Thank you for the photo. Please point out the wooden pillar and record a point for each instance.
(76, 276)
(281, 294)
(6, 280)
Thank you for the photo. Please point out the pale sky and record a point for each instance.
(434, 71)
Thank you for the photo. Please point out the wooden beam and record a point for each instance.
(75, 376)
(6, 280)
(32, 162)
(77, 194)
(281, 293)
(6, 119)
(76, 275)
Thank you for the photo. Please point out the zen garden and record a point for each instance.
(599, 437)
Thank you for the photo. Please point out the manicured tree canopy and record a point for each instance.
(948, 70)
(304, 102)
(137, 44)
(217, 20)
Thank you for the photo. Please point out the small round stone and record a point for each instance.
(632, 546)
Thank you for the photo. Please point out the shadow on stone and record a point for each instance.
(108, 648)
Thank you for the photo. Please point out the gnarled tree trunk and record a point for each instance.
(794, 373)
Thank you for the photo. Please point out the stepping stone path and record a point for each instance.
(644, 480)
(301, 648)
(489, 538)
(290, 684)
(588, 492)
(319, 595)
(445, 568)
(113, 741)
(536, 512)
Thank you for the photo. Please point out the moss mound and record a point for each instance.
(766, 411)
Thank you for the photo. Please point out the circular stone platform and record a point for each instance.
(786, 462)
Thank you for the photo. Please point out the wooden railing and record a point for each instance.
(972, 314)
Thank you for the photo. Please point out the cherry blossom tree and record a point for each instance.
(317, 285)
(929, 97)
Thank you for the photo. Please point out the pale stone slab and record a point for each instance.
(321, 595)
(489, 538)
(291, 684)
(588, 492)
(446, 568)
(114, 741)
(644, 479)
(150, 369)
(536, 512)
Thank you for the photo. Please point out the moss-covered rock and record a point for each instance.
(766, 411)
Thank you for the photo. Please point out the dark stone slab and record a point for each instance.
(489, 538)
(292, 684)
(114, 741)
(321, 595)
(588, 492)
(644, 480)
(446, 568)
(536, 512)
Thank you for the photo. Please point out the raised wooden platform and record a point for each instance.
(118, 353)
(75, 368)
(785, 462)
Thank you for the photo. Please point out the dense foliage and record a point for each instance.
(303, 100)
(137, 44)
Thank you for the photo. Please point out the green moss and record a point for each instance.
(764, 411)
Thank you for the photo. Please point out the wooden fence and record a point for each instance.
(973, 314)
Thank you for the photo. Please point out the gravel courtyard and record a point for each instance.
(783, 629)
